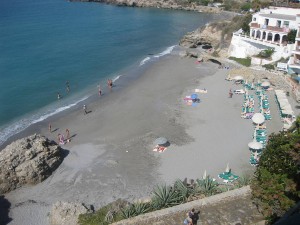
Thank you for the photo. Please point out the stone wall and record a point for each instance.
(230, 207)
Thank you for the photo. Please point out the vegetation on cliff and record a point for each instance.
(276, 183)
(163, 196)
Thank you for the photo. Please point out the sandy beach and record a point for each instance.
(110, 155)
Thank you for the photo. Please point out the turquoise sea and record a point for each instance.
(44, 43)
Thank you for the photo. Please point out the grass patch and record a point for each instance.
(242, 61)
(105, 215)
(269, 66)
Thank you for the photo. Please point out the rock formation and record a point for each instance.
(206, 35)
(165, 4)
(67, 213)
(29, 160)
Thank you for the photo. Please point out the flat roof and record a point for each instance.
(279, 16)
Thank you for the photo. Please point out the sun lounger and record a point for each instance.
(202, 91)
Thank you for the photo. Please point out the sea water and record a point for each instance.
(45, 43)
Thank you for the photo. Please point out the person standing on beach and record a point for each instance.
(99, 90)
(84, 109)
(68, 86)
(68, 135)
(110, 84)
(230, 93)
(50, 128)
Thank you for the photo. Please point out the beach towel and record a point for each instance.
(159, 149)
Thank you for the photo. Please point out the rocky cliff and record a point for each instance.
(166, 4)
(29, 160)
(209, 34)
(67, 213)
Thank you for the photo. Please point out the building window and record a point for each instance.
(286, 23)
(278, 23)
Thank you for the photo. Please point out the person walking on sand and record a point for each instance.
(68, 135)
(84, 109)
(50, 128)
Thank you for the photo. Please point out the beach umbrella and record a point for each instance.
(194, 96)
(161, 141)
(255, 145)
(204, 175)
(265, 84)
(258, 118)
(238, 78)
(227, 170)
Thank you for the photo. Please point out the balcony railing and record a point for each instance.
(271, 28)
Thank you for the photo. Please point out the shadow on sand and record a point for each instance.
(4, 210)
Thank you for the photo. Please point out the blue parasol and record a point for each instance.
(194, 96)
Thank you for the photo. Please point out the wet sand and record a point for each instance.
(110, 155)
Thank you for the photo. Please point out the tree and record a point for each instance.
(291, 36)
(276, 182)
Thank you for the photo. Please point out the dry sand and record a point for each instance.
(110, 155)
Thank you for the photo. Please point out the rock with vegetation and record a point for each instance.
(29, 160)
(191, 5)
(276, 183)
(67, 213)
(218, 34)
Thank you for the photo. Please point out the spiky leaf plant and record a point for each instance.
(128, 212)
(164, 197)
(243, 180)
(141, 207)
(183, 190)
(207, 186)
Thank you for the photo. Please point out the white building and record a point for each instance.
(273, 24)
(268, 29)
(294, 62)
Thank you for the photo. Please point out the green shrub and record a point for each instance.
(266, 53)
(269, 66)
(242, 61)
(276, 182)
(105, 215)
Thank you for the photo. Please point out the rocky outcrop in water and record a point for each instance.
(29, 160)
(165, 4)
(67, 213)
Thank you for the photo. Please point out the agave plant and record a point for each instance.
(164, 197)
(141, 207)
(128, 212)
(243, 181)
(207, 186)
(183, 190)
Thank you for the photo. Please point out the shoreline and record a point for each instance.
(125, 77)
(110, 155)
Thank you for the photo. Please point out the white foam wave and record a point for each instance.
(144, 61)
(165, 52)
(116, 78)
(22, 124)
